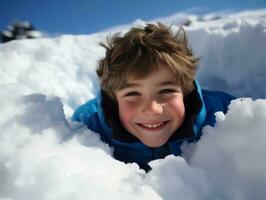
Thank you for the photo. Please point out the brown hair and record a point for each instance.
(141, 51)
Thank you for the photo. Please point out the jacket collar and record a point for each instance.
(201, 116)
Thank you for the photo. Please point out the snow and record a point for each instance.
(45, 156)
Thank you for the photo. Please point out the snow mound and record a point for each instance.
(44, 157)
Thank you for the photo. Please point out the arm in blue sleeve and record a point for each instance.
(85, 112)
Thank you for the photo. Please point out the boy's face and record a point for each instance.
(152, 109)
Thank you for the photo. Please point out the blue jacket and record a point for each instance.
(201, 105)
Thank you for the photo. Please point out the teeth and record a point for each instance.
(153, 125)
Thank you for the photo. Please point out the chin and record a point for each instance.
(155, 144)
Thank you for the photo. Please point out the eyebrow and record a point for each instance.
(164, 83)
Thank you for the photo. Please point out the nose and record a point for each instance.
(152, 107)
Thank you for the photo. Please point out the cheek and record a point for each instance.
(176, 107)
(126, 112)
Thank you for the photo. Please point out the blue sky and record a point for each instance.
(88, 16)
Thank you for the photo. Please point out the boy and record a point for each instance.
(149, 102)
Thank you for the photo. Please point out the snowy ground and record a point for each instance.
(44, 156)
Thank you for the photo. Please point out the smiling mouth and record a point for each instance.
(153, 126)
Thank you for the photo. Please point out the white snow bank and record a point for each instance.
(39, 158)
(63, 67)
(43, 157)
(227, 163)
(232, 153)
(232, 58)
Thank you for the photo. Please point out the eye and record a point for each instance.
(166, 91)
(132, 94)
